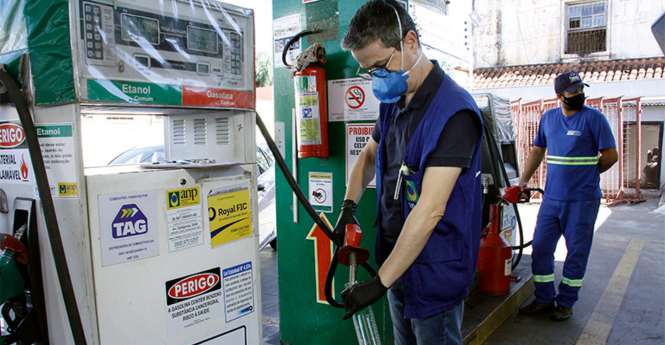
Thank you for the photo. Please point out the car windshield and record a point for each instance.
(263, 160)
(140, 155)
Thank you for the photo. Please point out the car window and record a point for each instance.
(133, 157)
(262, 161)
(140, 155)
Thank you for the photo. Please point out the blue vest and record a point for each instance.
(443, 272)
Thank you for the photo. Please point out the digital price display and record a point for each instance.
(203, 40)
(138, 29)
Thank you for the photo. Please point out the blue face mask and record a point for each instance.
(389, 89)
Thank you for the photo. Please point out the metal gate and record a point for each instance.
(618, 111)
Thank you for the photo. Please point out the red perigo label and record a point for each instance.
(193, 286)
(11, 135)
(218, 98)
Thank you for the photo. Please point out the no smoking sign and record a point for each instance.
(355, 97)
(352, 100)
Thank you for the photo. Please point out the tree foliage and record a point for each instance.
(264, 69)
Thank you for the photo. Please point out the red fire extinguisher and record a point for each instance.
(309, 80)
(311, 112)
(495, 257)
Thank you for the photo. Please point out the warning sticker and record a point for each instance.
(193, 299)
(509, 222)
(238, 291)
(184, 218)
(357, 136)
(16, 167)
(128, 226)
(352, 100)
(309, 125)
(320, 191)
(229, 215)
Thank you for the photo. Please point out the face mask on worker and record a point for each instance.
(576, 102)
(390, 88)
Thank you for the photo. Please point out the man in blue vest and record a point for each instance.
(573, 135)
(425, 152)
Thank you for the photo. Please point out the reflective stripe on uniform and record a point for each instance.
(572, 160)
(572, 282)
(543, 279)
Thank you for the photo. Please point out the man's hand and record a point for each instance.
(362, 295)
(347, 216)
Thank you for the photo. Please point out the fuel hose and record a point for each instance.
(496, 155)
(311, 212)
(50, 218)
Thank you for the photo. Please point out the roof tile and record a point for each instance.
(591, 71)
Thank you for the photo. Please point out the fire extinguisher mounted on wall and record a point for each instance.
(309, 80)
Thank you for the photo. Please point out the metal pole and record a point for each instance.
(638, 121)
(620, 144)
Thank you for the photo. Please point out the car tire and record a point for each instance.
(273, 244)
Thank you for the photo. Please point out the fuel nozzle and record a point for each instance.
(352, 249)
(352, 255)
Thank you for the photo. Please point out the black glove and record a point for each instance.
(362, 295)
(347, 216)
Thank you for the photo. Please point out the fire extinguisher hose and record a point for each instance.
(47, 205)
(311, 212)
(294, 39)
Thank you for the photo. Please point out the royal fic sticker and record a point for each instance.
(193, 299)
(229, 215)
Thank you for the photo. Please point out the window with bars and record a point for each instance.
(586, 27)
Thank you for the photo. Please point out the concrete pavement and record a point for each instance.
(622, 300)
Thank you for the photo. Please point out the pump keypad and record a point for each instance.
(236, 53)
(94, 46)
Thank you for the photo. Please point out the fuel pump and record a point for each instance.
(160, 253)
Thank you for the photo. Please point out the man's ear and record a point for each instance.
(559, 97)
(411, 42)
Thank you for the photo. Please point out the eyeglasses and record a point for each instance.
(379, 72)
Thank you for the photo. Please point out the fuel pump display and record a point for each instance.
(131, 42)
(133, 53)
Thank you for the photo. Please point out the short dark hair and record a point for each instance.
(376, 20)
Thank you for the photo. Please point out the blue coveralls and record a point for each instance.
(441, 275)
(572, 198)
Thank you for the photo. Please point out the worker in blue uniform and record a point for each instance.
(425, 152)
(573, 136)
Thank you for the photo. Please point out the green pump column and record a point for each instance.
(303, 318)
